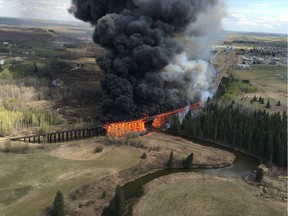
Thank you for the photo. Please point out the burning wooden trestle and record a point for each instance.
(121, 129)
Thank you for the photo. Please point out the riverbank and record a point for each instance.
(203, 194)
(87, 199)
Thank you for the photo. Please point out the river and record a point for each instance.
(242, 166)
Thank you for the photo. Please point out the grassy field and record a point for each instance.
(270, 80)
(265, 75)
(30, 181)
(198, 196)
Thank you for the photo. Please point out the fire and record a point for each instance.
(121, 129)
(160, 119)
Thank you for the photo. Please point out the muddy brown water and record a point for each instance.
(242, 166)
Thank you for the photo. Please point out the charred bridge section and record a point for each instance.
(63, 136)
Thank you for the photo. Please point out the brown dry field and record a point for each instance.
(23, 34)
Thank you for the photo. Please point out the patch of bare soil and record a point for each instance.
(87, 199)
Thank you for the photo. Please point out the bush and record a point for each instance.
(137, 144)
(98, 149)
(115, 141)
(132, 135)
(259, 174)
(16, 147)
(144, 155)
(104, 194)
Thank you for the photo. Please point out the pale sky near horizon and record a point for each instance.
(242, 15)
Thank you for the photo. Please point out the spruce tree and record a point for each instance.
(279, 103)
(175, 127)
(140, 189)
(170, 162)
(120, 202)
(187, 163)
(130, 209)
(262, 101)
(268, 105)
(58, 205)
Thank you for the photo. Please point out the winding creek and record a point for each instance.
(242, 166)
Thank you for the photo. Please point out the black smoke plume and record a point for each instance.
(144, 39)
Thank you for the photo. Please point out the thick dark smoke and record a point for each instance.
(147, 67)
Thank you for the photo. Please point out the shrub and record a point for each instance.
(98, 149)
(137, 144)
(16, 147)
(144, 155)
(104, 194)
(259, 174)
(7, 147)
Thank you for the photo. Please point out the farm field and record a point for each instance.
(197, 194)
(32, 179)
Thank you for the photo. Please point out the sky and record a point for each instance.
(242, 15)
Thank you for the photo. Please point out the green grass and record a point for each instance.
(29, 182)
(6, 74)
(188, 197)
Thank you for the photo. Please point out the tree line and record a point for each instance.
(259, 132)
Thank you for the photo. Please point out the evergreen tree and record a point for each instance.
(254, 98)
(259, 174)
(262, 101)
(130, 209)
(269, 148)
(279, 103)
(187, 163)
(58, 205)
(170, 162)
(140, 189)
(175, 127)
(260, 133)
(120, 202)
(268, 105)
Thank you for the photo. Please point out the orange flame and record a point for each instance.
(122, 129)
(161, 119)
